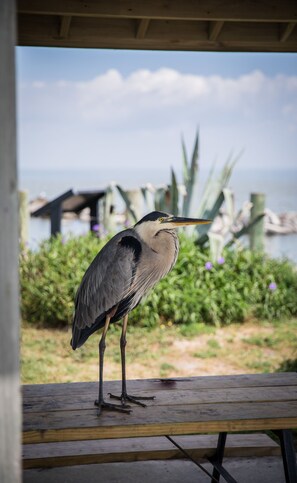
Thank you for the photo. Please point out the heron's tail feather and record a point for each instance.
(79, 336)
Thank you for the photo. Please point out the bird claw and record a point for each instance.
(112, 407)
(124, 397)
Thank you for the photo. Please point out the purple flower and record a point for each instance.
(96, 227)
(208, 265)
(221, 261)
(272, 286)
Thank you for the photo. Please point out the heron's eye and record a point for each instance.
(161, 219)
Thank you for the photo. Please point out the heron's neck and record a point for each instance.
(165, 243)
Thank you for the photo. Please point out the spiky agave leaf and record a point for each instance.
(229, 203)
(192, 170)
(245, 230)
(185, 163)
(160, 199)
(206, 192)
(173, 194)
(216, 245)
(209, 214)
(127, 202)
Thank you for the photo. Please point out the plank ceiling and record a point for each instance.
(204, 25)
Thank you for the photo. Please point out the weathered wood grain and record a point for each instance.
(140, 449)
(160, 420)
(65, 412)
(153, 385)
(10, 410)
(178, 397)
(157, 9)
(171, 34)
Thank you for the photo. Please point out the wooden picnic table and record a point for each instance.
(182, 406)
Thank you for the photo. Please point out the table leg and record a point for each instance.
(219, 455)
(288, 453)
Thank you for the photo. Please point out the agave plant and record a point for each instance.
(178, 200)
(234, 226)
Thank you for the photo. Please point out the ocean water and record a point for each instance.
(279, 186)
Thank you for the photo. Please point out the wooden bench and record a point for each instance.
(61, 427)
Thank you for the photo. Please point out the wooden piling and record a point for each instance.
(257, 229)
(23, 217)
(10, 407)
(136, 200)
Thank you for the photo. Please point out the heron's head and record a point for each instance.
(156, 221)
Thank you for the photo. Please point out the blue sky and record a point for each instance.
(95, 108)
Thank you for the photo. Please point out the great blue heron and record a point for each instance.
(126, 268)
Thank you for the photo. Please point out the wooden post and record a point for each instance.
(108, 215)
(23, 217)
(10, 413)
(56, 217)
(136, 201)
(257, 230)
(94, 214)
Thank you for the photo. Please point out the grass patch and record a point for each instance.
(166, 369)
(213, 343)
(267, 341)
(46, 355)
(196, 328)
(207, 354)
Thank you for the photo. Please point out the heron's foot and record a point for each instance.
(111, 407)
(124, 397)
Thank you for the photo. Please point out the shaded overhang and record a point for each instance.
(201, 25)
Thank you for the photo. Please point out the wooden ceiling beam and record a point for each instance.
(161, 35)
(142, 27)
(286, 30)
(208, 10)
(65, 26)
(214, 30)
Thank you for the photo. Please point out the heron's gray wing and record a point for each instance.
(107, 279)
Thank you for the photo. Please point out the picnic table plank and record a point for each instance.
(152, 385)
(196, 396)
(159, 420)
(140, 449)
(65, 412)
(61, 426)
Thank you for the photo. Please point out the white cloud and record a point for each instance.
(120, 117)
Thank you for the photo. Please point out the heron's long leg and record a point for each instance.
(100, 401)
(124, 397)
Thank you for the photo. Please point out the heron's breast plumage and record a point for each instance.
(157, 259)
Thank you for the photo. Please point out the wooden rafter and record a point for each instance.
(214, 30)
(286, 30)
(208, 10)
(142, 27)
(65, 26)
(207, 25)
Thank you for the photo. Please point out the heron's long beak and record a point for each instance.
(176, 221)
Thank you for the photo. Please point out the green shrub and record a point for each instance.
(288, 365)
(50, 276)
(229, 291)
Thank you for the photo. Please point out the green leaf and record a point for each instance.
(160, 199)
(185, 163)
(216, 245)
(245, 230)
(191, 179)
(229, 203)
(173, 194)
(209, 214)
(128, 203)
(206, 191)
